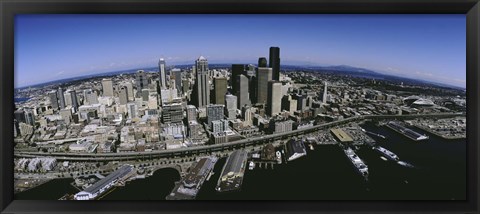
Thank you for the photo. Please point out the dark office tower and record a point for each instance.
(262, 62)
(176, 74)
(145, 94)
(73, 95)
(243, 95)
(20, 116)
(162, 73)
(185, 85)
(237, 69)
(274, 104)
(275, 62)
(29, 116)
(123, 95)
(202, 87)
(220, 84)
(263, 76)
(61, 98)
(53, 99)
(141, 81)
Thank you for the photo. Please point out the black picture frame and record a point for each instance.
(8, 9)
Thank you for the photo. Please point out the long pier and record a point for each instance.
(229, 146)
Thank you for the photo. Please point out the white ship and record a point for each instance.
(251, 165)
(359, 165)
(387, 153)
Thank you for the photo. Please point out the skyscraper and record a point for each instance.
(53, 99)
(20, 116)
(61, 98)
(191, 113)
(324, 98)
(123, 95)
(73, 95)
(90, 97)
(162, 73)
(274, 104)
(230, 106)
(243, 94)
(202, 85)
(275, 62)
(220, 86)
(237, 70)
(262, 62)
(141, 81)
(176, 74)
(214, 112)
(107, 87)
(263, 76)
(132, 109)
(29, 116)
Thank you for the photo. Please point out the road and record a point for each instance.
(204, 149)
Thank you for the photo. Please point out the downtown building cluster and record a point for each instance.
(176, 107)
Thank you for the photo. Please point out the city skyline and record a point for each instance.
(427, 47)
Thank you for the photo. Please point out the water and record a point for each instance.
(52, 190)
(20, 99)
(326, 174)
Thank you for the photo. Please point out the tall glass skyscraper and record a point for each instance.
(162, 73)
(275, 62)
(202, 85)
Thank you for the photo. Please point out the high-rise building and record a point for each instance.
(243, 91)
(262, 62)
(162, 73)
(132, 109)
(20, 116)
(247, 115)
(263, 76)
(129, 86)
(274, 104)
(237, 70)
(145, 94)
(219, 126)
(176, 74)
(53, 99)
(73, 95)
(275, 62)
(220, 86)
(324, 98)
(141, 81)
(90, 97)
(123, 95)
(29, 116)
(172, 113)
(202, 85)
(191, 113)
(107, 87)
(230, 106)
(61, 98)
(214, 112)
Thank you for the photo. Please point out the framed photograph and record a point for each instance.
(266, 106)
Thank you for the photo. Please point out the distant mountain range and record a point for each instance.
(338, 69)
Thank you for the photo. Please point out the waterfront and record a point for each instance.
(325, 174)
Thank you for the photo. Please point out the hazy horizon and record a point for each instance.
(55, 47)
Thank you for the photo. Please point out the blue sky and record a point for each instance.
(52, 47)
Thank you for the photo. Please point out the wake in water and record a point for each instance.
(405, 164)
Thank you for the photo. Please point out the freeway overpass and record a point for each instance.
(197, 150)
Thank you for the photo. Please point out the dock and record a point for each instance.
(406, 131)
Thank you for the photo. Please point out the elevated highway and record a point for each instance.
(218, 148)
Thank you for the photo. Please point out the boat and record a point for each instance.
(279, 156)
(387, 153)
(251, 165)
(359, 165)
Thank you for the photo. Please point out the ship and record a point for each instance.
(387, 153)
(359, 165)
(251, 165)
